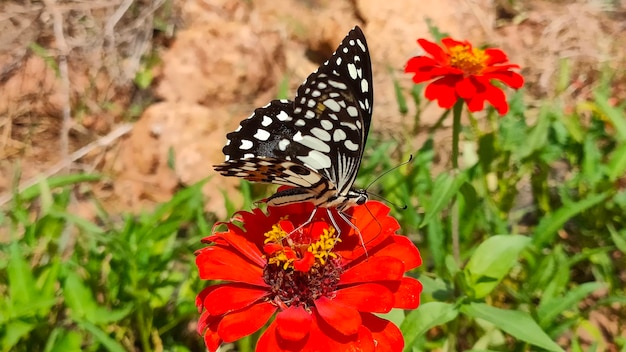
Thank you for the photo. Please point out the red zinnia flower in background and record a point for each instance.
(464, 72)
(323, 286)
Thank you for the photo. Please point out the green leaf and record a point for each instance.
(491, 261)
(102, 337)
(552, 308)
(82, 223)
(61, 340)
(617, 163)
(422, 319)
(515, 323)
(402, 107)
(436, 244)
(78, 297)
(143, 78)
(445, 188)
(551, 223)
(616, 116)
(58, 181)
(22, 288)
(618, 237)
(538, 136)
(13, 332)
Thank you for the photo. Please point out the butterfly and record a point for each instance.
(315, 142)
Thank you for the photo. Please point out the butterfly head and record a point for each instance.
(352, 198)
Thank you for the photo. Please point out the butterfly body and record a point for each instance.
(315, 142)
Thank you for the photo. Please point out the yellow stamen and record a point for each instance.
(472, 61)
(321, 249)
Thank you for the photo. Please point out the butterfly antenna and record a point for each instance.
(403, 207)
(386, 172)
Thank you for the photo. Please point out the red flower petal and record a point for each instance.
(434, 50)
(450, 43)
(374, 269)
(368, 297)
(362, 342)
(402, 248)
(423, 67)
(496, 56)
(466, 88)
(407, 295)
(443, 90)
(200, 297)
(212, 340)
(510, 78)
(345, 319)
(374, 225)
(215, 263)
(294, 323)
(231, 297)
(387, 336)
(207, 326)
(497, 98)
(487, 91)
(238, 239)
(315, 341)
(244, 322)
(304, 264)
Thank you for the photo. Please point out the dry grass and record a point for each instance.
(66, 74)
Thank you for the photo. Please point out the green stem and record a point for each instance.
(456, 131)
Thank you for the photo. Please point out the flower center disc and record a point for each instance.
(301, 266)
(471, 60)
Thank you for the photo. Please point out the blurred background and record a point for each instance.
(124, 104)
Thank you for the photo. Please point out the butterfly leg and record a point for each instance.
(347, 221)
(308, 221)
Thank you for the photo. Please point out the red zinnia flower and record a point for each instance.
(324, 283)
(464, 72)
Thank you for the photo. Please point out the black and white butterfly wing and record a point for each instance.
(316, 142)
(262, 148)
(334, 109)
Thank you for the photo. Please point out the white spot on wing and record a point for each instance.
(349, 125)
(339, 135)
(350, 145)
(248, 156)
(246, 144)
(338, 85)
(316, 160)
(361, 45)
(282, 116)
(283, 144)
(314, 143)
(262, 135)
(332, 105)
(266, 121)
(352, 71)
(327, 125)
(320, 133)
(364, 86)
(352, 111)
